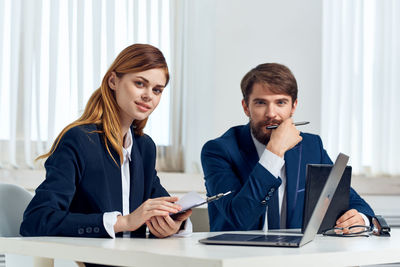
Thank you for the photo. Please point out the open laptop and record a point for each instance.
(277, 240)
(317, 175)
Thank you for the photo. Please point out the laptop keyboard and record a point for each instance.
(276, 238)
(257, 238)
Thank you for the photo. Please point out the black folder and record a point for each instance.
(316, 176)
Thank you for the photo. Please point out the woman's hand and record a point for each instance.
(161, 206)
(164, 226)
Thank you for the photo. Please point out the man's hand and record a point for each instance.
(164, 226)
(350, 218)
(283, 138)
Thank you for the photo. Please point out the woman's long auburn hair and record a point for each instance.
(102, 108)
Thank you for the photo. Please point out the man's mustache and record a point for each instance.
(269, 122)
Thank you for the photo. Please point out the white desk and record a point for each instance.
(323, 251)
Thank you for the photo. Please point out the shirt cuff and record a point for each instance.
(273, 163)
(187, 230)
(365, 218)
(109, 220)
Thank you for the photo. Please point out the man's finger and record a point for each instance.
(346, 216)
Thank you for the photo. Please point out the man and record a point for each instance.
(264, 168)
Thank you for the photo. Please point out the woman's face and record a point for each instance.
(138, 94)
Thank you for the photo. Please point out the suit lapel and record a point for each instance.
(114, 182)
(250, 158)
(136, 177)
(247, 149)
(293, 170)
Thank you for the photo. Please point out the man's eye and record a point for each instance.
(260, 102)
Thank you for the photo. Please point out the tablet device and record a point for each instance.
(316, 177)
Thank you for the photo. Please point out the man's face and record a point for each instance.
(266, 108)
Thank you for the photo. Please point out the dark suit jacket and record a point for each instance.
(230, 162)
(82, 182)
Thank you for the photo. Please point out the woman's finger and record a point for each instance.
(162, 208)
(169, 199)
(152, 213)
(157, 226)
(171, 223)
(163, 205)
(183, 216)
(166, 229)
(152, 230)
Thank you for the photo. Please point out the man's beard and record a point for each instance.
(257, 130)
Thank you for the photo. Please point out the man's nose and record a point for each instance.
(270, 111)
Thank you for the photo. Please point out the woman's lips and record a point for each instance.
(142, 106)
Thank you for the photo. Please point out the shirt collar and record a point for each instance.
(127, 147)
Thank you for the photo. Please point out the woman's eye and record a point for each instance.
(157, 91)
(139, 84)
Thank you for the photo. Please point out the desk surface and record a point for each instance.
(175, 251)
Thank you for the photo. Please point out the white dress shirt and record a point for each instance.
(276, 166)
(110, 218)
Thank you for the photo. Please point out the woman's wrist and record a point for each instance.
(121, 225)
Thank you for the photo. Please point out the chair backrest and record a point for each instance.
(13, 202)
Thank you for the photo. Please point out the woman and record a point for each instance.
(100, 172)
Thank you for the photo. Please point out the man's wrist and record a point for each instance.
(272, 162)
(274, 150)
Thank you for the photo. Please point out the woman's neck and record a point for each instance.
(125, 126)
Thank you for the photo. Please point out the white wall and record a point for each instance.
(229, 37)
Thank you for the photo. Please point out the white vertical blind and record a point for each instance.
(53, 55)
(14, 78)
(361, 63)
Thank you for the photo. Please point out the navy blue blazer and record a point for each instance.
(230, 162)
(82, 182)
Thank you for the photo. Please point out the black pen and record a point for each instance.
(295, 124)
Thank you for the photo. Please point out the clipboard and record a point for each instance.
(193, 200)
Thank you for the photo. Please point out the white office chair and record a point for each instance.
(13, 202)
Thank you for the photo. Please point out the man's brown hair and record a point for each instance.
(277, 77)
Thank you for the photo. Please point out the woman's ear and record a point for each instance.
(112, 80)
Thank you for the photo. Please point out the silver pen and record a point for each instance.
(217, 196)
(295, 124)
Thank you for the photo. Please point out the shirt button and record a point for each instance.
(88, 230)
(272, 189)
(81, 231)
(264, 202)
(270, 194)
(96, 230)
